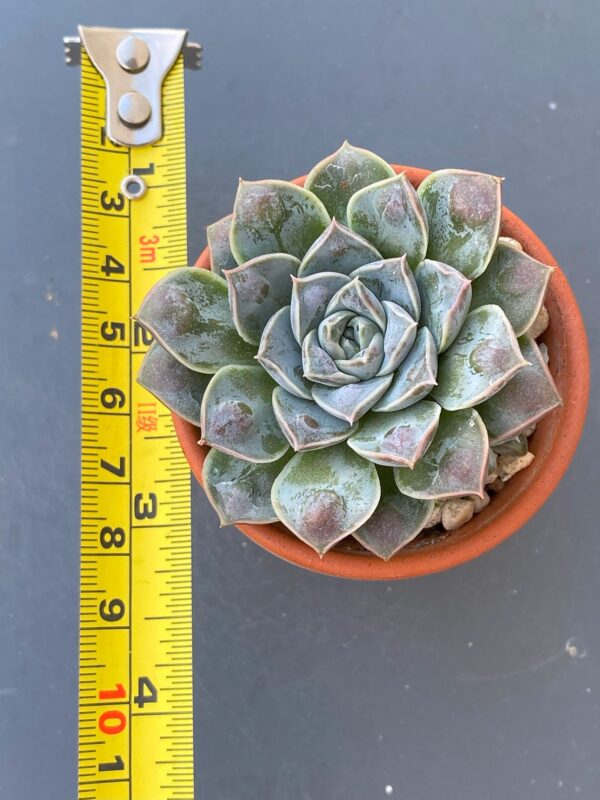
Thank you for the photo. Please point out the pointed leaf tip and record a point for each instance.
(464, 211)
(324, 495)
(392, 279)
(397, 520)
(237, 415)
(257, 289)
(188, 313)
(445, 299)
(526, 398)
(217, 236)
(179, 388)
(275, 216)
(240, 491)
(338, 249)
(515, 282)
(305, 425)
(352, 401)
(455, 463)
(336, 178)
(280, 354)
(415, 377)
(390, 215)
(482, 359)
(399, 438)
(310, 298)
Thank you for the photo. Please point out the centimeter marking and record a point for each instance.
(135, 688)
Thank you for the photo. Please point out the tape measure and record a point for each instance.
(135, 668)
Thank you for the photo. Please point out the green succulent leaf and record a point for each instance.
(310, 298)
(397, 520)
(365, 363)
(257, 289)
(397, 439)
(305, 425)
(280, 354)
(337, 249)
(349, 346)
(464, 210)
(400, 333)
(355, 296)
(455, 463)
(319, 366)
(483, 358)
(390, 215)
(237, 415)
(331, 330)
(335, 179)
(352, 401)
(188, 312)
(217, 236)
(445, 298)
(512, 447)
(238, 490)
(415, 377)
(324, 495)
(392, 279)
(525, 399)
(178, 387)
(363, 330)
(275, 217)
(515, 282)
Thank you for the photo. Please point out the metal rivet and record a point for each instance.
(134, 187)
(134, 109)
(133, 54)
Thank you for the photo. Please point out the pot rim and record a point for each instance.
(554, 443)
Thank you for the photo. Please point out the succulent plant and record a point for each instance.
(358, 353)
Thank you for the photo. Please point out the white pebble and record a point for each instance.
(389, 789)
(509, 465)
(479, 503)
(457, 512)
(435, 517)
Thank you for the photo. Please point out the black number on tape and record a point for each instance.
(112, 398)
(143, 510)
(112, 610)
(118, 471)
(109, 203)
(112, 537)
(111, 766)
(112, 266)
(149, 170)
(112, 330)
(142, 697)
(141, 335)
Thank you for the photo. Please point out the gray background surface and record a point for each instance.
(458, 686)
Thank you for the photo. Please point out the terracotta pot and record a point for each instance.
(553, 443)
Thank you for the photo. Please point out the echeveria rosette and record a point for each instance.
(356, 351)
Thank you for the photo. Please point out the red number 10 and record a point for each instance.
(111, 722)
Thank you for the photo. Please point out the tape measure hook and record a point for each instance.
(133, 63)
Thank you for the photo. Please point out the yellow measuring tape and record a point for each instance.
(135, 696)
